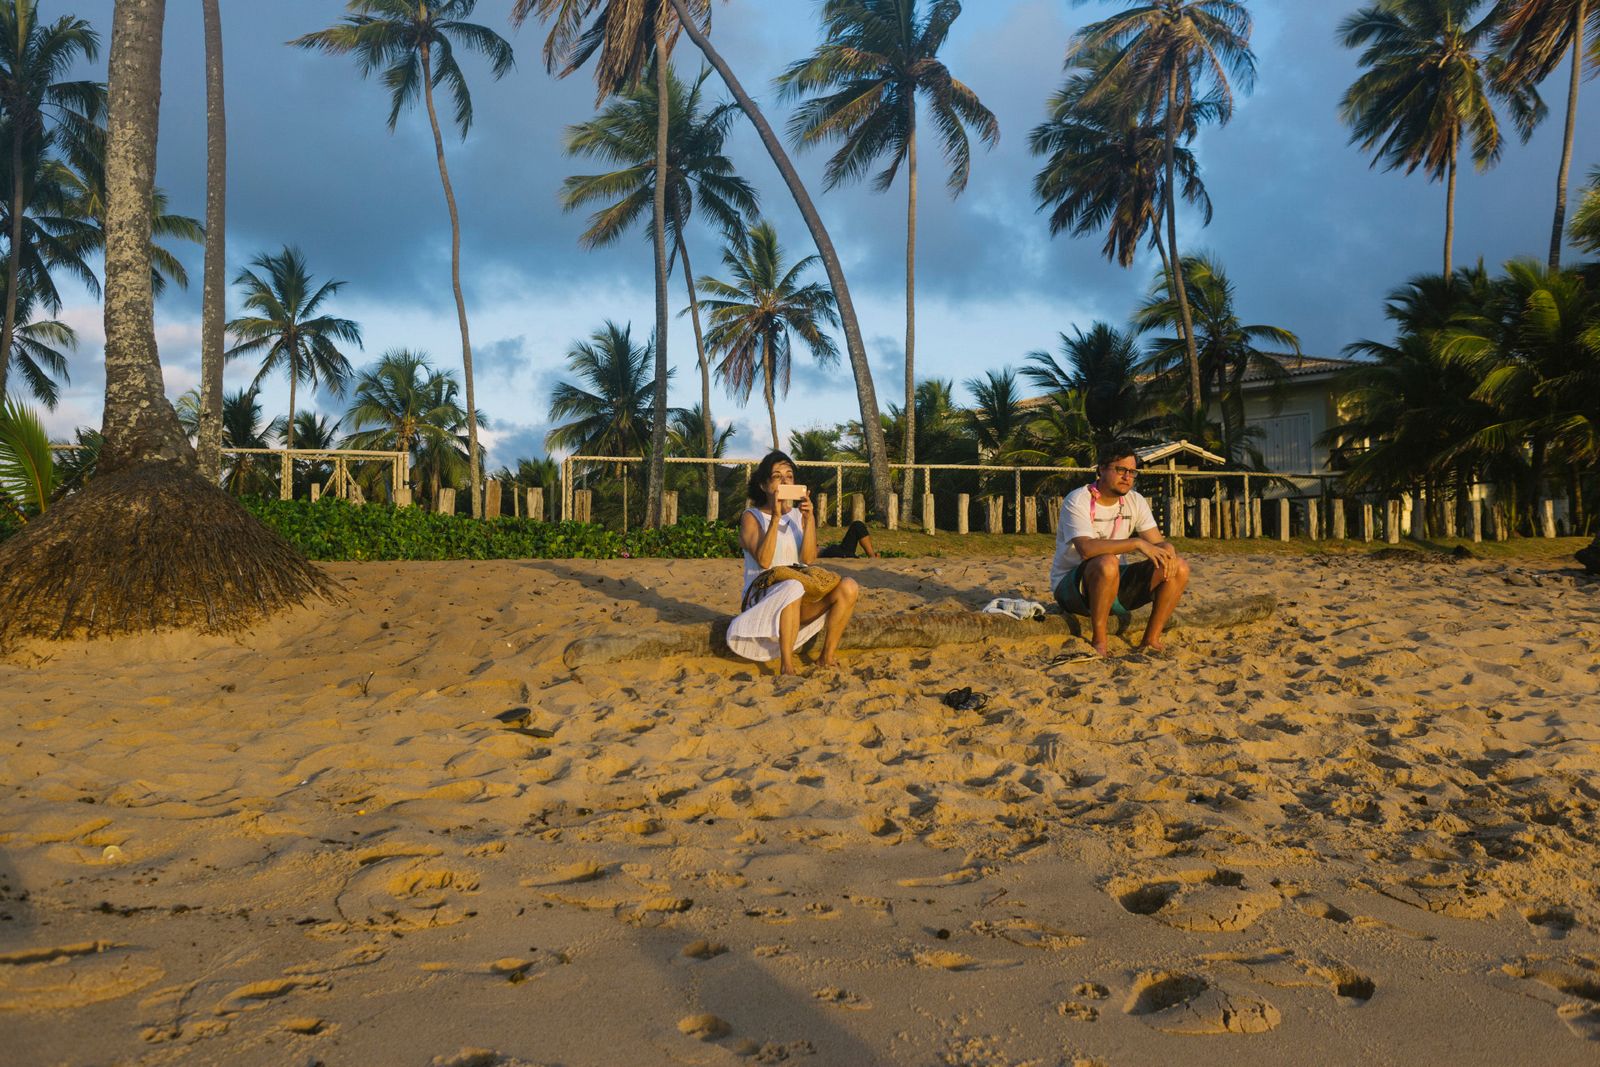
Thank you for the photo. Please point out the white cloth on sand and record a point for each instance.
(1016, 608)
(753, 634)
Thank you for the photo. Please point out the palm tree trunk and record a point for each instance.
(214, 286)
(708, 428)
(768, 389)
(1450, 210)
(1180, 288)
(473, 465)
(866, 395)
(139, 424)
(909, 444)
(13, 256)
(1558, 230)
(288, 431)
(655, 468)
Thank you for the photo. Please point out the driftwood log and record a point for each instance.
(907, 630)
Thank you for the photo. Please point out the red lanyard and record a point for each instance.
(1094, 497)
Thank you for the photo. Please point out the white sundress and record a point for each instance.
(753, 634)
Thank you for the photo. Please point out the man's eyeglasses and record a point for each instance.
(1126, 472)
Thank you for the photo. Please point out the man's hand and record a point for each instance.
(1162, 555)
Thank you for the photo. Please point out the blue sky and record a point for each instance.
(1312, 237)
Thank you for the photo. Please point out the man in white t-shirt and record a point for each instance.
(1100, 523)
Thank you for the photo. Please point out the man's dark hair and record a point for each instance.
(758, 477)
(1112, 451)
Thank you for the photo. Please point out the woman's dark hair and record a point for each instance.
(763, 471)
(1112, 451)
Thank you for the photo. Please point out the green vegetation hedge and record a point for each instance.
(332, 530)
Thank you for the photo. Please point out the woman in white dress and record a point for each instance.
(776, 533)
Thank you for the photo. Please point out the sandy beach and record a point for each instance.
(1364, 830)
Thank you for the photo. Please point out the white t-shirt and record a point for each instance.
(1082, 516)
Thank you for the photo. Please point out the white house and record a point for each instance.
(1294, 417)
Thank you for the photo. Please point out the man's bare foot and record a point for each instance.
(829, 662)
(1101, 646)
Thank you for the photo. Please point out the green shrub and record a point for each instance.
(334, 530)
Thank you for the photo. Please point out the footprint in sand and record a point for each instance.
(1178, 1003)
(406, 892)
(1205, 899)
(835, 997)
(946, 960)
(1027, 933)
(1549, 924)
(259, 994)
(62, 977)
(1574, 976)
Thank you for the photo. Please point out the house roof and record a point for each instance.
(1302, 367)
(1170, 449)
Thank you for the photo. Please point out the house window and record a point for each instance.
(1285, 442)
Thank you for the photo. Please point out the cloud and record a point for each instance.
(1311, 236)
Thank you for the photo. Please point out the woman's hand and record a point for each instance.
(804, 504)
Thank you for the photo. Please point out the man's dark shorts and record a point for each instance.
(1133, 588)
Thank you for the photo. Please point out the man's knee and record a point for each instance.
(1180, 569)
(848, 590)
(1102, 569)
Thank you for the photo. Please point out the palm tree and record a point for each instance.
(628, 36)
(36, 351)
(699, 176)
(245, 475)
(864, 80)
(997, 418)
(287, 328)
(689, 429)
(877, 455)
(402, 404)
(214, 285)
(1102, 368)
(413, 42)
(28, 476)
(38, 107)
(1427, 83)
(1586, 220)
(610, 406)
(1166, 51)
(147, 543)
(1104, 165)
(1535, 354)
(55, 238)
(1228, 348)
(1532, 38)
(753, 316)
(815, 445)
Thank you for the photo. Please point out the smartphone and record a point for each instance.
(790, 492)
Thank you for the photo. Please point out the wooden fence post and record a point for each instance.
(1203, 516)
(1547, 517)
(1336, 518)
(1175, 524)
(1497, 515)
(1367, 531)
(858, 507)
(893, 517)
(447, 501)
(1283, 518)
(1447, 514)
(1255, 518)
(1052, 514)
(1219, 512)
(582, 504)
(1313, 519)
(928, 524)
(491, 499)
(995, 514)
(1419, 516)
(963, 505)
(1030, 515)
(535, 505)
(1391, 521)
(316, 492)
(822, 510)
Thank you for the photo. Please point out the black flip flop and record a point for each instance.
(965, 699)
